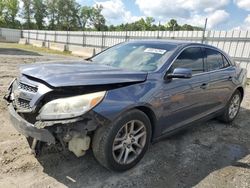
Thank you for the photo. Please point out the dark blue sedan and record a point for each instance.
(124, 98)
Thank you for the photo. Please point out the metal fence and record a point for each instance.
(235, 43)
(10, 35)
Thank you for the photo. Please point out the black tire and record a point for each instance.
(225, 117)
(104, 137)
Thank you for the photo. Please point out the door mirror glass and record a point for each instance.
(184, 73)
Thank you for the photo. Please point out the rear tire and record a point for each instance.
(232, 109)
(122, 144)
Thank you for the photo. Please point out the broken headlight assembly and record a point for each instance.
(70, 107)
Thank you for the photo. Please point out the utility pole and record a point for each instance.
(204, 31)
(173, 27)
(158, 32)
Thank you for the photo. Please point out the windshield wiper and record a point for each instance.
(88, 59)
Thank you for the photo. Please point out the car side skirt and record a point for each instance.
(194, 123)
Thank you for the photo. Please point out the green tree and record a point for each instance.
(195, 28)
(11, 10)
(140, 25)
(187, 27)
(172, 25)
(96, 19)
(67, 17)
(149, 22)
(84, 16)
(52, 12)
(27, 14)
(40, 13)
(111, 28)
(2, 7)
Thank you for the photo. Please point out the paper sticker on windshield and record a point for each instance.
(155, 51)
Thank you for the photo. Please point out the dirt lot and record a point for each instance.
(208, 155)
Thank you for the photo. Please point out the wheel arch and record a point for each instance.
(152, 117)
(241, 90)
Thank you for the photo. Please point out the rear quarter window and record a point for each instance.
(226, 62)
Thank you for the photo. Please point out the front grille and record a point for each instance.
(27, 87)
(23, 104)
(23, 94)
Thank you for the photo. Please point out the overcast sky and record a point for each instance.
(221, 14)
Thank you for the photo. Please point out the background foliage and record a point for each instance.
(69, 15)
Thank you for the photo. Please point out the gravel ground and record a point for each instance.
(211, 154)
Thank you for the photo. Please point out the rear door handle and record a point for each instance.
(230, 78)
(204, 86)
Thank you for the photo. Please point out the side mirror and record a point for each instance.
(180, 73)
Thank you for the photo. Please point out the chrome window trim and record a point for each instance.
(208, 72)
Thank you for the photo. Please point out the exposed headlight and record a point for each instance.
(71, 106)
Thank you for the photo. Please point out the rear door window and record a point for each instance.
(215, 60)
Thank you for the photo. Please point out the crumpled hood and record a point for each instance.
(80, 73)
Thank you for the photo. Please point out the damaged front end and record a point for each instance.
(41, 114)
(54, 103)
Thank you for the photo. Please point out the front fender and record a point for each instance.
(119, 100)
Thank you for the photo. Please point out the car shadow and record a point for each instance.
(182, 160)
(15, 51)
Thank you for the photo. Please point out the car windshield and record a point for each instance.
(135, 56)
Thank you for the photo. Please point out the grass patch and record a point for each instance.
(33, 48)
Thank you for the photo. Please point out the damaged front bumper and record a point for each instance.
(75, 136)
(28, 129)
(72, 133)
(75, 133)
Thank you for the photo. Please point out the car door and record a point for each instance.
(184, 100)
(221, 74)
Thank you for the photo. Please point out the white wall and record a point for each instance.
(11, 35)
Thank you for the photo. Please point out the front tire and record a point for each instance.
(121, 145)
(232, 109)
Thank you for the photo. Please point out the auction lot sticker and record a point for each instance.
(155, 51)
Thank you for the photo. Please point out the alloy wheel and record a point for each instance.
(129, 142)
(234, 106)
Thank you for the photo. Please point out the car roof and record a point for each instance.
(170, 42)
